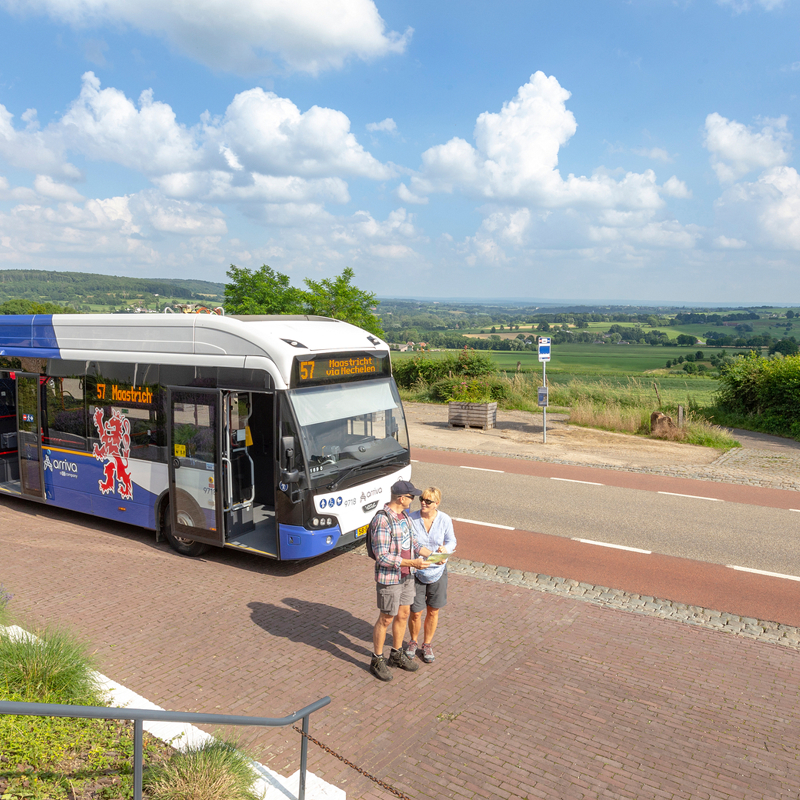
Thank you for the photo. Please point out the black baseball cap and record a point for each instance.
(405, 487)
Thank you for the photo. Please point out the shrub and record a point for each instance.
(214, 770)
(769, 387)
(462, 390)
(51, 667)
(465, 363)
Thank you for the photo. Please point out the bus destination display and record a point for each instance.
(338, 368)
(124, 394)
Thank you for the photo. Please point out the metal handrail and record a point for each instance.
(139, 715)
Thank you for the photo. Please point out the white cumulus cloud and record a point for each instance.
(263, 148)
(405, 195)
(387, 125)
(269, 134)
(244, 36)
(515, 158)
(106, 125)
(737, 149)
(765, 211)
(49, 188)
(729, 243)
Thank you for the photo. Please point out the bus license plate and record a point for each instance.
(361, 531)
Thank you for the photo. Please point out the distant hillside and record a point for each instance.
(87, 291)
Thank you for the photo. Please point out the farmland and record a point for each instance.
(612, 366)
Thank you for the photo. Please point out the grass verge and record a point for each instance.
(623, 405)
(215, 770)
(58, 758)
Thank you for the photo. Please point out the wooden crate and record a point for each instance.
(472, 415)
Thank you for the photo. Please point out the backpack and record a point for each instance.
(370, 551)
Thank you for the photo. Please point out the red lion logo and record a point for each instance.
(115, 438)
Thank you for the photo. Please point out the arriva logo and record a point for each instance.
(60, 465)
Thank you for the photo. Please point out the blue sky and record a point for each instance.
(639, 150)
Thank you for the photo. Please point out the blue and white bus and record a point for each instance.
(279, 436)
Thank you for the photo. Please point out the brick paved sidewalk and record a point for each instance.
(532, 695)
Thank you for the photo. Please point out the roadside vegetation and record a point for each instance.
(761, 394)
(727, 366)
(59, 758)
(622, 404)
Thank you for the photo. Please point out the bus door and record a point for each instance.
(29, 438)
(196, 478)
(239, 467)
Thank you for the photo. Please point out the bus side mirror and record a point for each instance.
(288, 473)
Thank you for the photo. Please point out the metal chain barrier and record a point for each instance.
(382, 784)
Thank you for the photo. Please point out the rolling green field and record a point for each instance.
(602, 360)
(758, 325)
(623, 367)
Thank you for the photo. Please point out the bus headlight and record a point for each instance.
(323, 522)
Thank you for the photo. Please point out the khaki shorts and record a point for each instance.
(392, 596)
(432, 595)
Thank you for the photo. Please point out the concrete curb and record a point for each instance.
(269, 784)
(748, 627)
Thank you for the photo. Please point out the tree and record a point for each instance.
(786, 346)
(32, 307)
(261, 292)
(790, 314)
(338, 298)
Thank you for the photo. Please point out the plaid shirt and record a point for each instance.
(386, 532)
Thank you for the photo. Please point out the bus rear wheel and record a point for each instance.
(182, 544)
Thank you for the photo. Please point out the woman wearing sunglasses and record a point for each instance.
(433, 530)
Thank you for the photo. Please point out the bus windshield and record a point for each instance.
(345, 425)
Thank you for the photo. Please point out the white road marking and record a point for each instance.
(570, 480)
(486, 524)
(794, 509)
(694, 496)
(482, 469)
(763, 572)
(615, 546)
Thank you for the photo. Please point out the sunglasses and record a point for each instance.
(427, 502)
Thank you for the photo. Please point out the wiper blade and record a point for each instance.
(358, 467)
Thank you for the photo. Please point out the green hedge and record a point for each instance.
(427, 370)
(765, 387)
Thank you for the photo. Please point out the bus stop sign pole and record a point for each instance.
(544, 357)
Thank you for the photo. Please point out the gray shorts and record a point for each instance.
(433, 594)
(393, 595)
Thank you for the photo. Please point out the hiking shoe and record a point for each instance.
(399, 659)
(379, 669)
(411, 649)
(427, 653)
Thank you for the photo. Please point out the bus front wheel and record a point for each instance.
(182, 544)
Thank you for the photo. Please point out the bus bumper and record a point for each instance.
(296, 542)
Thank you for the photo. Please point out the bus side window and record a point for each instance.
(65, 418)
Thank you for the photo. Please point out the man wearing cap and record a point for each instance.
(397, 556)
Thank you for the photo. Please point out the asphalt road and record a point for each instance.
(709, 530)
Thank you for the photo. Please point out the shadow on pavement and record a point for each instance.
(318, 625)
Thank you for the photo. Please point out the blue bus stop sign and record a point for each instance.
(544, 348)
